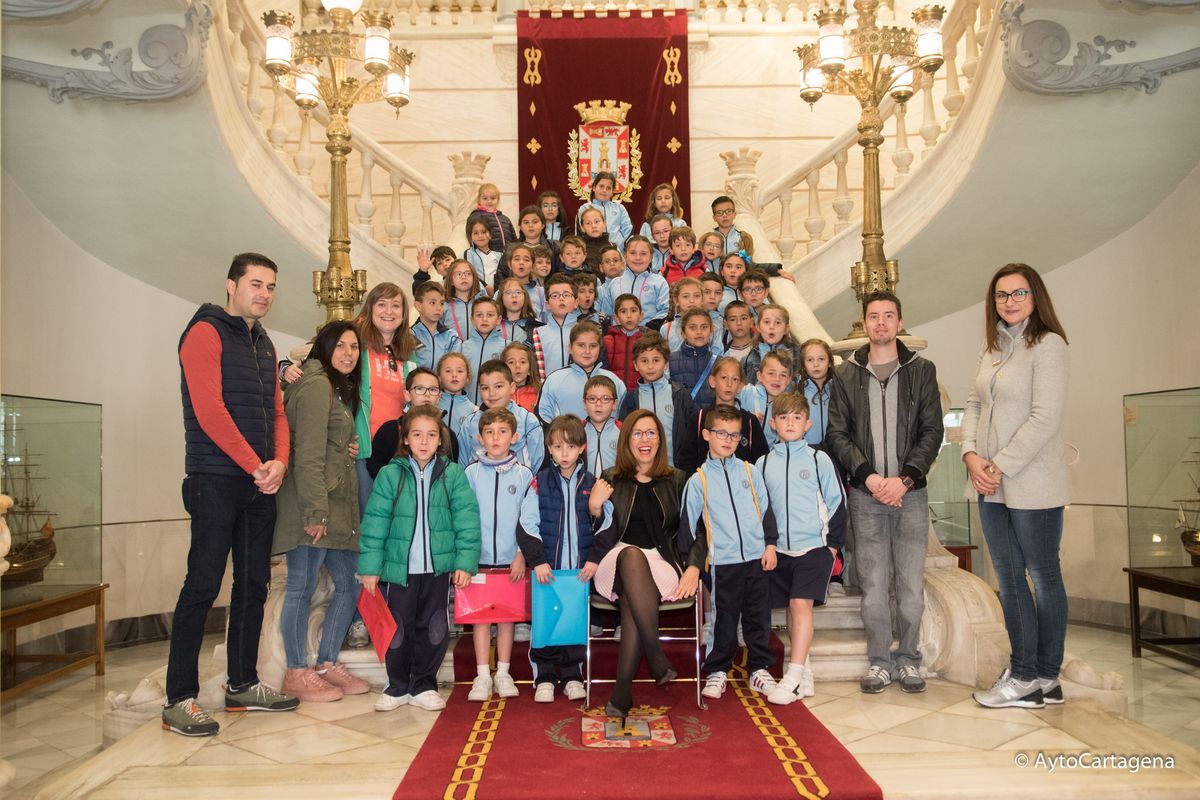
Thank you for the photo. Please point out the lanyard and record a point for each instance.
(704, 375)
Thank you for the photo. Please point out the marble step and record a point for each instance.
(840, 612)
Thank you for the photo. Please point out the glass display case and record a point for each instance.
(50, 464)
(949, 508)
(1162, 477)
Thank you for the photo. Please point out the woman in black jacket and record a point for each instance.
(634, 561)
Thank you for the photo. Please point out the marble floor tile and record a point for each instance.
(1045, 739)
(1188, 736)
(861, 713)
(893, 743)
(972, 732)
(846, 733)
(243, 725)
(402, 723)
(348, 706)
(219, 753)
(253, 782)
(298, 745)
(398, 755)
(937, 695)
(1019, 716)
(840, 688)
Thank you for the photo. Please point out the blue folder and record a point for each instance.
(560, 610)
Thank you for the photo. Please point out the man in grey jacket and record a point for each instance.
(885, 429)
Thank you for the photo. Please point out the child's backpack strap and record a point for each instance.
(753, 493)
(707, 519)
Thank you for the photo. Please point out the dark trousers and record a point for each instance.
(740, 592)
(558, 663)
(229, 514)
(422, 633)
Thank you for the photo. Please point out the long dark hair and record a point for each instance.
(1043, 320)
(345, 386)
(626, 464)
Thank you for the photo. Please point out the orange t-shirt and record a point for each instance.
(387, 389)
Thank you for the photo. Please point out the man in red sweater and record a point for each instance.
(236, 439)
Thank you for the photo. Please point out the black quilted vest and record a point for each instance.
(247, 388)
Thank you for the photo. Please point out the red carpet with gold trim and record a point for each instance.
(741, 747)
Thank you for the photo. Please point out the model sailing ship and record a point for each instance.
(32, 533)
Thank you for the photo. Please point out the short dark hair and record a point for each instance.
(541, 251)
(242, 261)
(723, 199)
(789, 403)
(695, 312)
(426, 288)
(753, 276)
(486, 301)
(711, 277)
(722, 413)
(682, 232)
(493, 366)
(418, 372)
(602, 381)
(652, 341)
(574, 241)
(736, 305)
(585, 279)
(627, 298)
(493, 415)
(875, 297)
(559, 278)
(440, 252)
(569, 428)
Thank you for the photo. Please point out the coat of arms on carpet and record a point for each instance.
(645, 727)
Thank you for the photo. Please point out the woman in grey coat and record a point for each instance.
(318, 519)
(1014, 454)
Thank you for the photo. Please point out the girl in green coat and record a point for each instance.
(318, 519)
(420, 527)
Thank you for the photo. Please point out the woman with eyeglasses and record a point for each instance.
(634, 562)
(1014, 453)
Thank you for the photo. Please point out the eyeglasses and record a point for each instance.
(724, 436)
(1018, 296)
(728, 212)
(560, 295)
(648, 435)
(391, 358)
(599, 398)
(754, 290)
(426, 391)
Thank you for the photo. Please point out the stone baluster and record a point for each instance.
(930, 128)
(424, 17)
(887, 12)
(468, 175)
(786, 242)
(365, 207)
(902, 156)
(426, 243)
(814, 8)
(815, 222)
(954, 97)
(773, 15)
(442, 16)
(794, 11)
(402, 15)
(254, 99)
(753, 12)
(711, 11)
(277, 133)
(733, 12)
(843, 204)
(742, 182)
(972, 57)
(985, 19)
(304, 158)
(395, 227)
(237, 49)
(487, 11)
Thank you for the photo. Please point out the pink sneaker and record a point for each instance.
(310, 687)
(335, 672)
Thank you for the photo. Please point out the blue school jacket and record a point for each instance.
(754, 399)
(529, 449)
(562, 393)
(455, 408)
(478, 350)
(730, 496)
(650, 290)
(806, 497)
(508, 503)
(601, 450)
(556, 340)
(434, 344)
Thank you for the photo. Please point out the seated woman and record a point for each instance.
(318, 519)
(634, 561)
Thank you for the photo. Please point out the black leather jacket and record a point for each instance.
(919, 416)
(669, 492)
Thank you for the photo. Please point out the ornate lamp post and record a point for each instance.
(870, 62)
(296, 61)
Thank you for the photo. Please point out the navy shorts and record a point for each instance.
(803, 577)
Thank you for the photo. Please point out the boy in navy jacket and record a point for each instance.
(725, 504)
(569, 518)
(810, 514)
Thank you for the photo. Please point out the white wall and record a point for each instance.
(74, 328)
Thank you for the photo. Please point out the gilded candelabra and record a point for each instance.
(295, 61)
(870, 62)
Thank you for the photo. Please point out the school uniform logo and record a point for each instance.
(604, 143)
(805, 474)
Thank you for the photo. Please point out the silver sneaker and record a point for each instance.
(876, 680)
(1051, 691)
(1008, 692)
(911, 680)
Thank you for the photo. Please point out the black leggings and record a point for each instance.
(638, 600)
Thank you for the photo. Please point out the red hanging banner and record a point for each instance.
(602, 94)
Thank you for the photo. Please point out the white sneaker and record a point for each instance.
(505, 685)
(714, 685)
(762, 681)
(806, 682)
(386, 702)
(481, 688)
(575, 690)
(522, 632)
(544, 693)
(787, 691)
(429, 700)
(1008, 692)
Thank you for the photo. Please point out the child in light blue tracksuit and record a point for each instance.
(561, 315)
(497, 389)
(485, 342)
(616, 218)
(726, 504)
(454, 375)
(810, 513)
(562, 391)
(508, 509)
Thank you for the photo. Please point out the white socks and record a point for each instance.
(483, 670)
(794, 671)
(502, 667)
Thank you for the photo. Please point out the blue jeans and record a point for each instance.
(229, 515)
(889, 549)
(1028, 539)
(365, 484)
(304, 567)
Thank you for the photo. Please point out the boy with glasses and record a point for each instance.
(752, 288)
(724, 214)
(561, 315)
(725, 506)
(601, 428)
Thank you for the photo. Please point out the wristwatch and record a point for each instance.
(908, 482)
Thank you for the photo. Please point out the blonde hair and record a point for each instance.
(483, 187)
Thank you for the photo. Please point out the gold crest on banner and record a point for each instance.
(604, 143)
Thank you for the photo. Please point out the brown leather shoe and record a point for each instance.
(335, 672)
(310, 687)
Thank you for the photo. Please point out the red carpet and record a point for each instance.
(741, 748)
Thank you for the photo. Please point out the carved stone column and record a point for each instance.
(468, 175)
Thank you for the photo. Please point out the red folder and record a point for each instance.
(491, 596)
(378, 619)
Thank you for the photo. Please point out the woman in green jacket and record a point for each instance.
(318, 518)
(420, 526)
